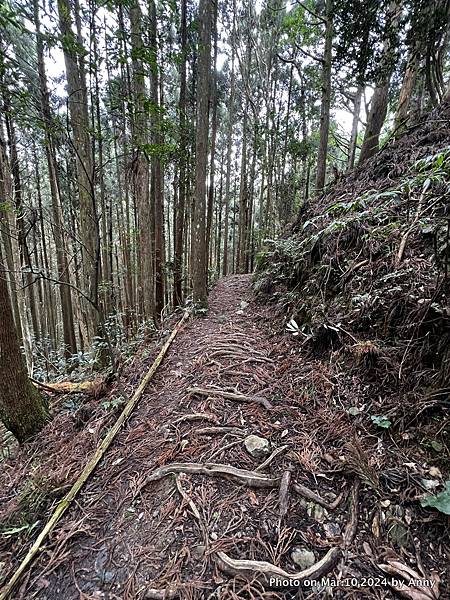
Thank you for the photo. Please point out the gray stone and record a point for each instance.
(303, 558)
(257, 446)
(332, 530)
(198, 551)
(316, 512)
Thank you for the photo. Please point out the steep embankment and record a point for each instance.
(365, 269)
(364, 276)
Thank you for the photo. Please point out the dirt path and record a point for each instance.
(126, 537)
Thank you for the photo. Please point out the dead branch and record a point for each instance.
(229, 395)
(268, 573)
(188, 500)
(95, 388)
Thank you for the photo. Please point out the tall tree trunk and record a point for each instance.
(243, 200)
(5, 216)
(179, 206)
(79, 120)
(157, 170)
(141, 169)
(229, 149)
(355, 122)
(379, 103)
(22, 409)
(70, 346)
(326, 98)
(213, 104)
(199, 258)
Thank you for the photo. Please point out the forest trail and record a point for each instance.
(123, 536)
(305, 500)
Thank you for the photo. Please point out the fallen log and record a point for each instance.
(272, 576)
(96, 387)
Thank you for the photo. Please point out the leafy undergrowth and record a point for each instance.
(362, 280)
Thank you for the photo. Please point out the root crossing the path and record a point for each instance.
(227, 474)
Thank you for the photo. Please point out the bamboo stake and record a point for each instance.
(64, 504)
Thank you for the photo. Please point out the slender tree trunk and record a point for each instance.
(199, 258)
(229, 150)
(355, 122)
(243, 208)
(70, 346)
(179, 206)
(79, 120)
(213, 105)
(326, 99)
(141, 170)
(157, 170)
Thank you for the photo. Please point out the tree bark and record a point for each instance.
(79, 120)
(379, 103)
(179, 207)
(199, 258)
(326, 99)
(406, 91)
(141, 170)
(22, 409)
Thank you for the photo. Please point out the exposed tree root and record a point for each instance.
(154, 594)
(217, 430)
(268, 460)
(196, 417)
(271, 575)
(310, 495)
(251, 478)
(229, 395)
